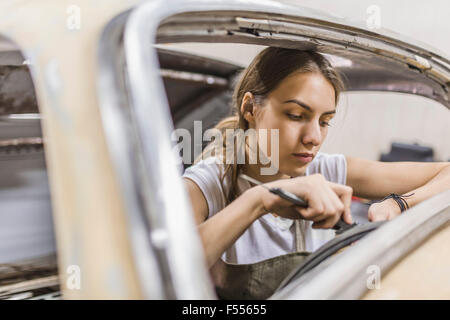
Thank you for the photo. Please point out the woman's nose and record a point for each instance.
(311, 134)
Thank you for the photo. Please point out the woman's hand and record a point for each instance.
(327, 201)
(385, 210)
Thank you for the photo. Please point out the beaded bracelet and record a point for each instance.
(399, 199)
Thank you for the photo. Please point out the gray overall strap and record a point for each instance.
(300, 235)
(258, 280)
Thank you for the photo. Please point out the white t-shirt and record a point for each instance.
(268, 236)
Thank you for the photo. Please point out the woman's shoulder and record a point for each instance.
(211, 165)
(332, 166)
(207, 174)
(328, 157)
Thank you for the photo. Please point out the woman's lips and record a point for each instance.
(304, 157)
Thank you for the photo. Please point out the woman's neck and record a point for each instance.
(254, 171)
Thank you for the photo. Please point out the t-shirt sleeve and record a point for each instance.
(332, 166)
(206, 174)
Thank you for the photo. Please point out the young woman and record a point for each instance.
(295, 92)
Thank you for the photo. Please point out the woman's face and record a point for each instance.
(301, 107)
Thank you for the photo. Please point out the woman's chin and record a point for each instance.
(297, 171)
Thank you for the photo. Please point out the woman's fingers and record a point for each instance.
(345, 194)
(327, 201)
(311, 214)
(323, 206)
(325, 224)
(328, 204)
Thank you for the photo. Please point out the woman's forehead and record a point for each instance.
(312, 89)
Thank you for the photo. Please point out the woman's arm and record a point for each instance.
(220, 231)
(375, 180)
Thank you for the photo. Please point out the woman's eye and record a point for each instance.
(301, 117)
(295, 116)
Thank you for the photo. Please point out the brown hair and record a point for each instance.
(263, 75)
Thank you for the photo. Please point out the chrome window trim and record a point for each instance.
(169, 209)
(344, 276)
(418, 70)
(118, 130)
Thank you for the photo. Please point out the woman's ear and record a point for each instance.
(247, 107)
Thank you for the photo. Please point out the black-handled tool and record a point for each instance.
(340, 227)
(288, 196)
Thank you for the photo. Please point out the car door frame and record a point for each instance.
(151, 180)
